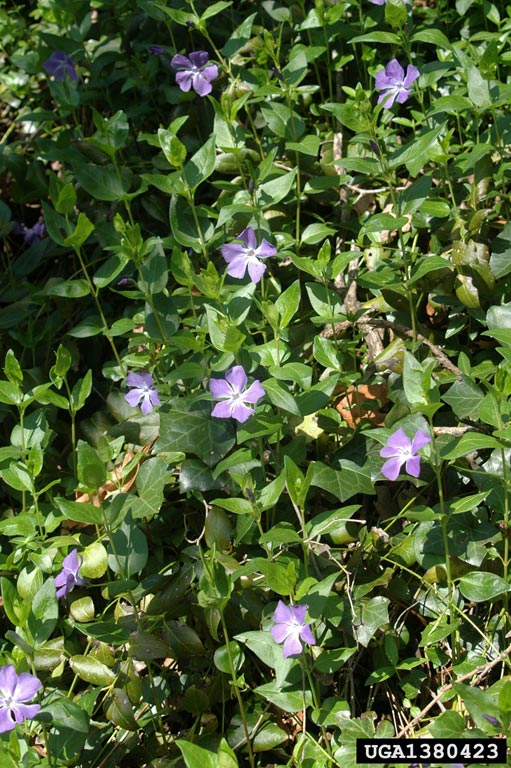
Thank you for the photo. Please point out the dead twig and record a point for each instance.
(481, 672)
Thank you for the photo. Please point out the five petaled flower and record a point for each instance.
(143, 392)
(233, 396)
(194, 72)
(60, 65)
(246, 255)
(394, 84)
(290, 628)
(401, 450)
(69, 577)
(15, 690)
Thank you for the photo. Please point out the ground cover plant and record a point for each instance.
(256, 377)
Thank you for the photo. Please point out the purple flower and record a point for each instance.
(401, 450)
(290, 628)
(394, 84)
(15, 690)
(69, 577)
(233, 395)
(60, 65)
(157, 50)
(246, 254)
(30, 235)
(195, 72)
(143, 392)
(492, 720)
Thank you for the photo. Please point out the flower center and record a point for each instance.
(250, 253)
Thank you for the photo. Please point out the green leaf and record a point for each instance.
(465, 398)
(104, 631)
(481, 587)
(94, 562)
(18, 477)
(81, 390)
(500, 259)
(91, 469)
(153, 272)
(173, 148)
(91, 670)
(145, 646)
(197, 757)
(201, 165)
(44, 613)
(416, 154)
(370, 615)
(433, 36)
(272, 192)
(195, 432)
(281, 397)
(184, 224)
(239, 37)
(479, 703)
(395, 13)
(468, 443)
(83, 229)
(215, 9)
(184, 642)
(150, 482)
(63, 361)
(12, 368)
(69, 731)
(282, 121)
(10, 393)
(478, 88)
(108, 271)
(349, 116)
(222, 656)
(344, 483)
(127, 550)
(69, 289)
(289, 701)
(79, 512)
(102, 182)
(119, 710)
(448, 725)
(377, 37)
(287, 303)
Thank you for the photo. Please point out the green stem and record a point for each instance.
(237, 691)
(445, 539)
(94, 293)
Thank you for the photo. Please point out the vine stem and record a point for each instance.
(481, 672)
(237, 691)
(445, 538)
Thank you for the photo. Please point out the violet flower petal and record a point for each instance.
(292, 645)
(413, 466)
(240, 411)
(184, 80)
(420, 440)
(256, 270)
(392, 468)
(181, 62)
(222, 410)
(254, 392)
(201, 85)
(220, 388)
(199, 59)
(237, 378)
